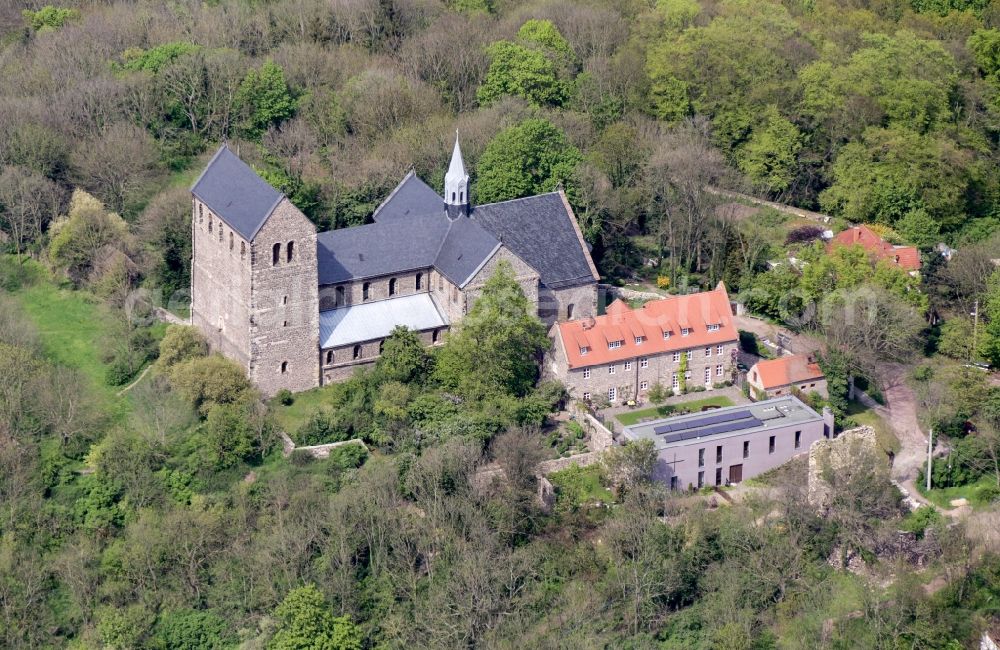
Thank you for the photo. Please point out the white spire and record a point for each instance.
(456, 181)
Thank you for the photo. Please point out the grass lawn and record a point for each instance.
(981, 493)
(883, 432)
(71, 326)
(634, 417)
(291, 417)
(576, 486)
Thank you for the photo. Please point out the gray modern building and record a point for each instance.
(727, 445)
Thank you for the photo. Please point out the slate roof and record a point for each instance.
(412, 197)
(234, 192)
(540, 231)
(412, 230)
(376, 320)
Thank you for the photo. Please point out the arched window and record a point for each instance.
(452, 197)
(209, 223)
(364, 290)
(275, 254)
(357, 351)
(434, 336)
(230, 240)
(340, 297)
(440, 282)
(569, 311)
(243, 249)
(284, 367)
(392, 287)
(201, 213)
(220, 233)
(420, 280)
(461, 196)
(329, 357)
(291, 250)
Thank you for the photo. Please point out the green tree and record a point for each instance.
(989, 347)
(264, 99)
(525, 159)
(770, 157)
(630, 465)
(192, 630)
(180, 343)
(306, 622)
(49, 17)
(156, 58)
(919, 228)
(956, 339)
(545, 34)
(79, 240)
(211, 380)
(404, 357)
(496, 348)
(523, 72)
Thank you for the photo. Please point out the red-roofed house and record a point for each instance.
(621, 354)
(906, 257)
(776, 377)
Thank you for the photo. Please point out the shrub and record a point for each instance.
(180, 343)
(118, 373)
(207, 381)
(285, 397)
(804, 234)
(321, 427)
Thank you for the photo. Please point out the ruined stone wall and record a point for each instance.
(220, 284)
(836, 454)
(285, 304)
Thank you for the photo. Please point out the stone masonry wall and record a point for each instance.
(378, 289)
(285, 304)
(836, 453)
(554, 304)
(631, 379)
(220, 284)
(525, 276)
(342, 364)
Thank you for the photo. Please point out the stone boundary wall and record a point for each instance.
(611, 292)
(557, 464)
(780, 207)
(600, 436)
(316, 451)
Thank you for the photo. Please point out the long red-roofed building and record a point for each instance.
(624, 352)
(906, 257)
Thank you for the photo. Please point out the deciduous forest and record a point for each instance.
(145, 501)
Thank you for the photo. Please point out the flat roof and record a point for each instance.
(724, 422)
(375, 320)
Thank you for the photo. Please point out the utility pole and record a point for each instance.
(930, 448)
(975, 329)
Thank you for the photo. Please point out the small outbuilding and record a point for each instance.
(785, 375)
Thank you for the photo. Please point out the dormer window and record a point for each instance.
(639, 340)
(713, 328)
(666, 335)
(685, 331)
(612, 345)
(584, 350)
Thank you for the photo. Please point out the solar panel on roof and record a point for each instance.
(723, 427)
(702, 421)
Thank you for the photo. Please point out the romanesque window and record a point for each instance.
(220, 233)
(440, 282)
(392, 287)
(434, 336)
(275, 254)
(291, 250)
(340, 297)
(357, 351)
(452, 197)
(329, 357)
(569, 311)
(284, 367)
(461, 196)
(243, 249)
(201, 213)
(230, 240)
(420, 280)
(209, 223)
(364, 290)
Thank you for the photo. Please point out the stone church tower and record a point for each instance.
(254, 281)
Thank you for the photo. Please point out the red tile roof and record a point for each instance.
(906, 257)
(671, 315)
(775, 373)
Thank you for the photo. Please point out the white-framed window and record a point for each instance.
(586, 396)
(685, 331)
(720, 349)
(643, 385)
(612, 394)
(687, 375)
(628, 366)
(586, 373)
(584, 351)
(675, 382)
(611, 369)
(614, 344)
(677, 357)
(708, 374)
(719, 370)
(643, 362)
(639, 340)
(666, 335)
(708, 350)
(713, 328)
(689, 354)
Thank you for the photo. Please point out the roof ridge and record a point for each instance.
(521, 198)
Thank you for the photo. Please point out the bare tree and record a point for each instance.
(117, 164)
(28, 202)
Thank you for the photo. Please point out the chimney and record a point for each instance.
(589, 323)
